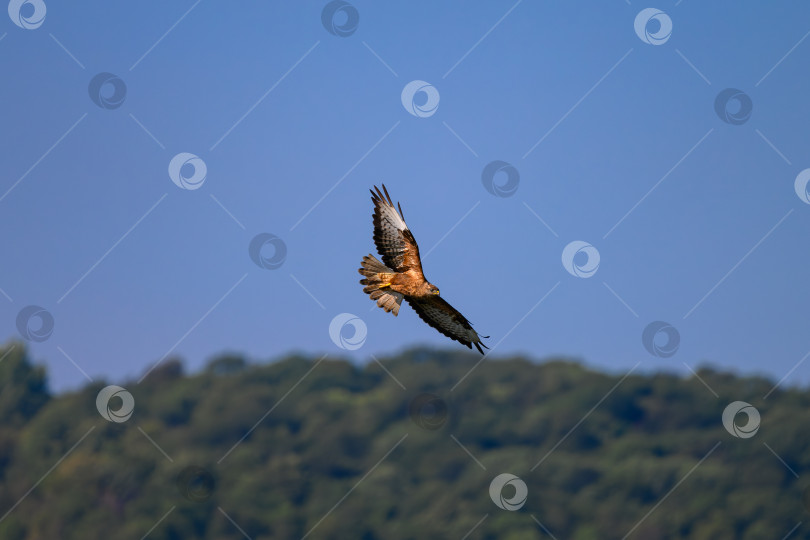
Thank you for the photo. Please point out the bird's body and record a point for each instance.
(399, 276)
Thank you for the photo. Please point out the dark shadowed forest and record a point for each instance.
(324, 448)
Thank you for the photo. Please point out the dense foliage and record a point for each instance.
(342, 451)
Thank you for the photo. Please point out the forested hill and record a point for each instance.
(323, 448)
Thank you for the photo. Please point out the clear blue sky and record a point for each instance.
(309, 116)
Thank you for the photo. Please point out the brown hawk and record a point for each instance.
(400, 276)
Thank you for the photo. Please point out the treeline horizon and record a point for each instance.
(179, 364)
(404, 446)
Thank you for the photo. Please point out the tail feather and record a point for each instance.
(376, 274)
(371, 265)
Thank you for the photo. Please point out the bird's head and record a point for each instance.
(433, 289)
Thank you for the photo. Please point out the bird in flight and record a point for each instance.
(400, 275)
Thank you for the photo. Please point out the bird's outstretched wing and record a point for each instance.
(394, 241)
(435, 311)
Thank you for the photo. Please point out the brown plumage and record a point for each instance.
(399, 275)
